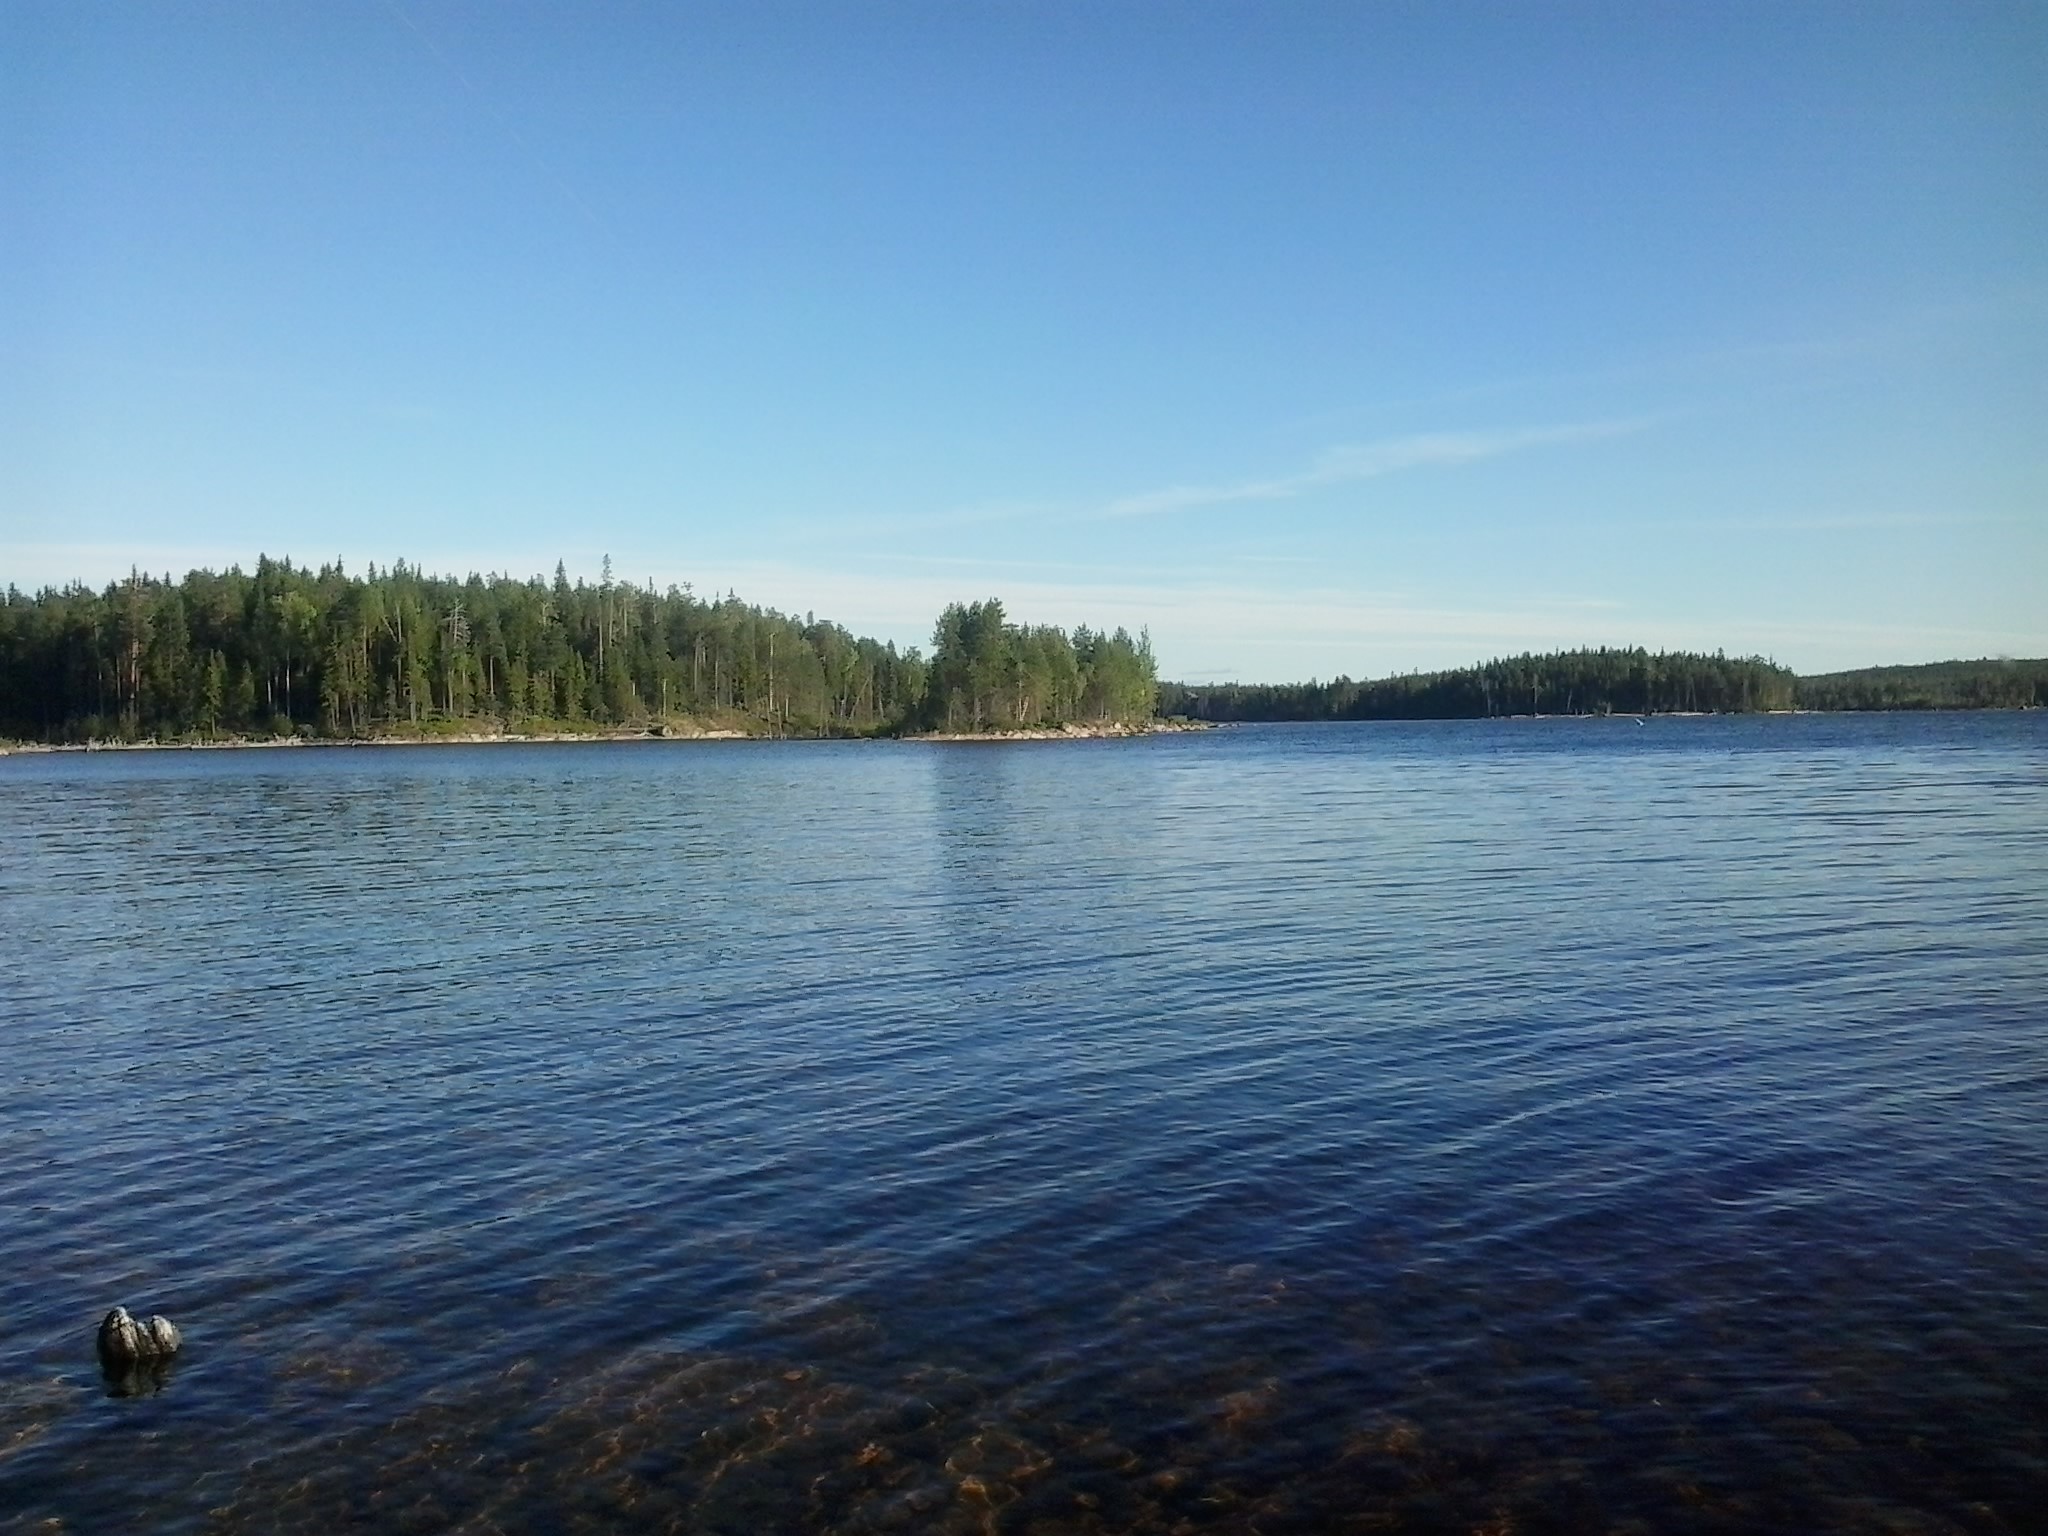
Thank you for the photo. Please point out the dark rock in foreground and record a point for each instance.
(123, 1341)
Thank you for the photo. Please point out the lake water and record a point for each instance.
(1489, 1126)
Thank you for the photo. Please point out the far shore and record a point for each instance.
(1110, 731)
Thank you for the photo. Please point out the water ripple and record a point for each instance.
(1508, 1126)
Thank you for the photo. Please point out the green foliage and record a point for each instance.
(1588, 682)
(989, 674)
(2003, 684)
(291, 650)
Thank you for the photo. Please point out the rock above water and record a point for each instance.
(124, 1341)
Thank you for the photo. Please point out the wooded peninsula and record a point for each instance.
(290, 652)
(395, 653)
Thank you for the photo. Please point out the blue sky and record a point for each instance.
(1319, 338)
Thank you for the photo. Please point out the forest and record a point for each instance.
(289, 650)
(1583, 682)
(2001, 684)
(293, 651)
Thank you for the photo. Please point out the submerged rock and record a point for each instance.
(124, 1341)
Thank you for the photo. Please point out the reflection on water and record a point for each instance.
(1518, 1127)
(136, 1378)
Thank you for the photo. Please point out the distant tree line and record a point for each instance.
(292, 650)
(2004, 684)
(1584, 682)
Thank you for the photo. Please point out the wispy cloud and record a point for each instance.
(35, 565)
(1367, 461)
(1339, 465)
(1844, 522)
(1275, 627)
(1736, 373)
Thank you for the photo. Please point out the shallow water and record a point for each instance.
(1513, 1126)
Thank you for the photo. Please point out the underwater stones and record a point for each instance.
(124, 1342)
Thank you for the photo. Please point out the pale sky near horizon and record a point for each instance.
(1319, 338)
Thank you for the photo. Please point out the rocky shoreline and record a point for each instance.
(1114, 731)
(1107, 732)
